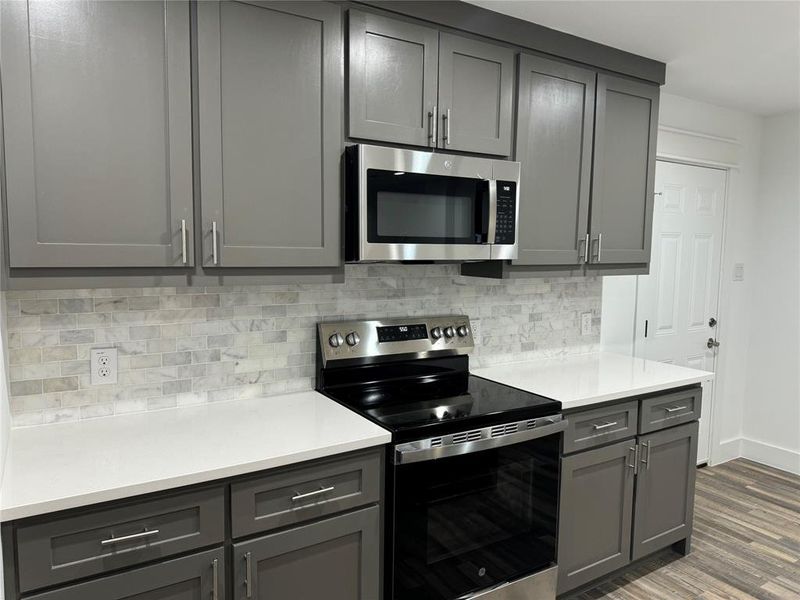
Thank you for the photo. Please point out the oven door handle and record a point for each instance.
(413, 452)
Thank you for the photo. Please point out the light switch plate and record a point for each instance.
(103, 364)
(586, 323)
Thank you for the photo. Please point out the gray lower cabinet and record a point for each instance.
(665, 489)
(555, 120)
(476, 84)
(197, 577)
(594, 536)
(270, 85)
(98, 133)
(623, 176)
(335, 559)
(410, 84)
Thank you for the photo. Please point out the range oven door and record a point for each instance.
(462, 524)
(409, 205)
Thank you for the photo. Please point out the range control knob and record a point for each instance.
(336, 340)
(436, 333)
(352, 338)
(462, 331)
(449, 331)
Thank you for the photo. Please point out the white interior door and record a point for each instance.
(677, 301)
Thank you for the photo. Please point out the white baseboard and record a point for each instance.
(727, 450)
(772, 456)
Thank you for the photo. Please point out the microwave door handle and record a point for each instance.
(491, 233)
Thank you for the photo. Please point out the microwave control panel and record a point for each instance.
(506, 212)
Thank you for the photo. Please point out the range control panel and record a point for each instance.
(345, 340)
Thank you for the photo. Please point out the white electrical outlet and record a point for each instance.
(738, 272)
(476, 331)
(103, 362)
(586, 323)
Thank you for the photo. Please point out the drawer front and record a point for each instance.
(67, 548)
(599, 426)
(668, 410)
(304, 493)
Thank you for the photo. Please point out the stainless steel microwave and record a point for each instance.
(407, 205)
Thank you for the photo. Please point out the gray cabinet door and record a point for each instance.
(476, 86)
(555, 121)
(392, 80)
(594, 535)
(335, 559)
(665, 489)
(97, 113)
(626, 125)
(197, 577)
(270, 79)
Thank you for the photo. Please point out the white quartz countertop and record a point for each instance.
(585, 379)
(63, 466)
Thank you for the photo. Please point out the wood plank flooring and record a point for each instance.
(746, 543)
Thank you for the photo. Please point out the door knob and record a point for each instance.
(712, 322)
(712, 343)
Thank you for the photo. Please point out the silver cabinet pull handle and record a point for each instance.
(183, 241)
(646, 458)
(215, 580)
(248, 575)
(433, 122)
(214, 242)
(599, 247)
(586, 245)
(604, 425)
(447, 120)
(129, 538)
(673, 409)
(298, 496)
(633, 464)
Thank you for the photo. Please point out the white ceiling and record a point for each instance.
(740, 54)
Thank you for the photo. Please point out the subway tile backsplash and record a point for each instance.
(184, 346)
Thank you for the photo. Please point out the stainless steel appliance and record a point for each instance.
(408, 205)
(472, 472)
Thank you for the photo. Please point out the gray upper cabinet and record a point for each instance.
(270, 84)
(665, 488)
(197, 577)
(410, 84)
(624, 170)
(476, 84)
(594, 536)
(554, 144)
(335, 559)
(97, 114)
(392, 80)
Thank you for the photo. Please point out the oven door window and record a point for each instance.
(413, 208)
(466, 523)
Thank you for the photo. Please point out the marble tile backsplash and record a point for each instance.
(184, 346)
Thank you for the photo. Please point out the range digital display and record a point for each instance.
(403, 333)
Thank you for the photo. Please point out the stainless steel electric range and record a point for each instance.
(472, 472)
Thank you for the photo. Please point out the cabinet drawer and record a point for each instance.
(304, 493)
(668, 410)
(62, 549)
(591, 428)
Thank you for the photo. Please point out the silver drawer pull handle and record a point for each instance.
(298, 496)
(128, 538)
(214, 242)
(604, 425)
(675, 409)
(248, 575)
(183, 241)
(215, 579)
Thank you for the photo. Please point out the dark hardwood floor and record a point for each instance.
(746, 543)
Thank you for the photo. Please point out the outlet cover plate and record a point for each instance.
(103, 364)
(586, 323)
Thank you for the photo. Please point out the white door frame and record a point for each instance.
(713, 437)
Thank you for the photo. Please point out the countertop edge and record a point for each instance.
(14, 513)
(632, 393)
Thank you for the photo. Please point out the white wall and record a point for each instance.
(733, 138)
(771, 428)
